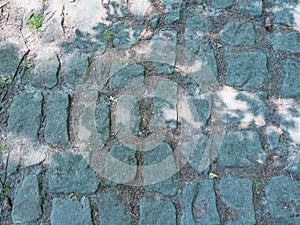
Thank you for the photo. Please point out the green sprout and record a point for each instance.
(36, 21)
(109, 34)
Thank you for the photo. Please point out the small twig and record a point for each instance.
(4, 4)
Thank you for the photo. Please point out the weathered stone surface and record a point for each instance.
(166, 187)
(221, 4)
(111, 210)
(76, 65)
(154, 20)
(198, 203)
(118, 8)
(252, 7)
(286, 42)
(157, 212)
(283, 200)
(246, 70)
(291, 83)
(71, 173)
(25, 114)
(165, 105)
(238, 147)
(172, 10)
(123, 76)
(56, 127)
(159, 166)
(120, 164)
(272, 137)
(9, 57)
(128, 118)
(294, 167)
(285, 12)
(66, 212)
(236, 193)
(244, 108)
(238, 33)
(46, 70)
(125, 35)
(27, 204)
(197, 27)
(102, 120)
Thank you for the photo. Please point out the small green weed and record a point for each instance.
(3, 84)
(109, 34)
(36, 21)
(27, 64)
(255, 183)
(3, 147)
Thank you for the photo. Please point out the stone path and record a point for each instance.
(150, 112)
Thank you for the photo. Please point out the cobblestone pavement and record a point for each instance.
(150, 112)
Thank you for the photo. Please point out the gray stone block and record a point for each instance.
(111, 210)
(221, 4)
(27, 204)
(157, 212)
(283, 200)
(238, 33)
(286, 42)
(9, 58)
(236, 194)
(238, 147)
(166, 187)
(172, 10)
(197, 27)
(251, 7)
(67, 212)
(25, 114)
(246, 70)
(70, 173)
(291, 83)
(75, 67)
(56, 122)
(198, 203)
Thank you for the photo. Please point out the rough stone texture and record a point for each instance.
(128, 116)
(66, 212)
(130, 75)
(70, 173)
(46, 70)
(198, 203)
(284, 12)
(286, 42)
(27, 204)
(172, 10)
(246, 70)
(165, 105)
(294, 167)
(166, 187)
(9, 58)
(159, 166)
(157, 212)
(120, 164)
(76, 65)
(283, 200)
(154, 18)
(238, 147)
(238, 33)
(205, 54)
(251, 7)
(111, 210)
(118, 8)
(56, 127)
(291, 83)
(272, 137)
(102, 119)
(221, 4)
(125, 35)
(25, 114)
(236, 193)
(197, 27)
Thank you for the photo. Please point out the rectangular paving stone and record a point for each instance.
(56, 122)
(251, 7)
(221, 4)
(172, 10)
(238, 33)
(111, 210)
(283, 200)
(246, 70)
(236, 194)
(9, 58)
(286, 42)
(25, 114)
(27, 204)
(66, 212)
(165, 105)
(238, 147)
(198, 203)
(285, 12)
(291, 83)
(197, 27)
(157, 212)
